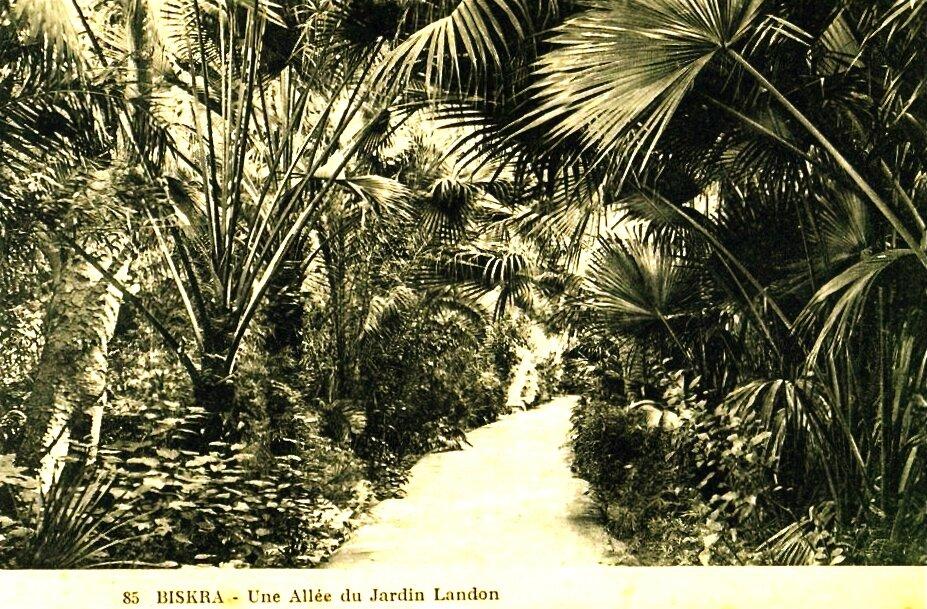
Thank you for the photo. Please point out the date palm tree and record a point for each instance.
(268, 158)
(251, 169)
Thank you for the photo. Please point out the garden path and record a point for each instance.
(507, 500)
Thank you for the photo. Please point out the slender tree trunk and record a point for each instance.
(334, 267)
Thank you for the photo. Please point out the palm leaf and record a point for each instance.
(796, 544)
(55, 21)
(389, 306)
(632, 284)
(478, 272)
(385, 196)
(47, 109)
(619, 70)
(451, 51)
(73, 528)
(846, 226)
(852, 289)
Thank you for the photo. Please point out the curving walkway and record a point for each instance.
(509, 500)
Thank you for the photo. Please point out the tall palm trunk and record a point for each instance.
(335, 273)
(65, 408)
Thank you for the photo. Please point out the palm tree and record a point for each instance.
(781, 119)
(267, 165)
(249, 172)
(57, 126)
(625, 83)
(633, 65)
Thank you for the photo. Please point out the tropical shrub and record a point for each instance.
(505, 337)
(625, 463)
(549, 373)
(73, 523)
(429, 384)
(675, 469)
(232, 505)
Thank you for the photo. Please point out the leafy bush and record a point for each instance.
(505, 337)
(624, 461)
(729, 479)
(487, 400)
(425, 387)
(232, 505)
(675, 470)
(549, 375)
(576, 375)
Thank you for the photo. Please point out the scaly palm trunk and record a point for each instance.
(65, 408)
(213, 390)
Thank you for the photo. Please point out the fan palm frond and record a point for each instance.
(384, 307)
(352, 28)
(456, 196)
(447, 209)
(56, 21)
(454, 50)
(631, 284)
(385, 197)
(451, 303)
(846, 226)
(619, 70)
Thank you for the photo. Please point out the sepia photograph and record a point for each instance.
(351, 285)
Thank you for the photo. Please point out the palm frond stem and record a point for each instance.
(906, 199)
(726, 253)
(165, 252)
(170, 340)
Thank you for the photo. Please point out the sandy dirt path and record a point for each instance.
(508, 500)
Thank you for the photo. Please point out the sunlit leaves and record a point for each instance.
(632, 283)
(48, 107)
(619, 70)
(451, 50)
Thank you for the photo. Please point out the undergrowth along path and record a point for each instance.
(507, 500)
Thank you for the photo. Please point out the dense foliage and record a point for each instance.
(784, 282)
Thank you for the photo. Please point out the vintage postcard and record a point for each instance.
(476, 303)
